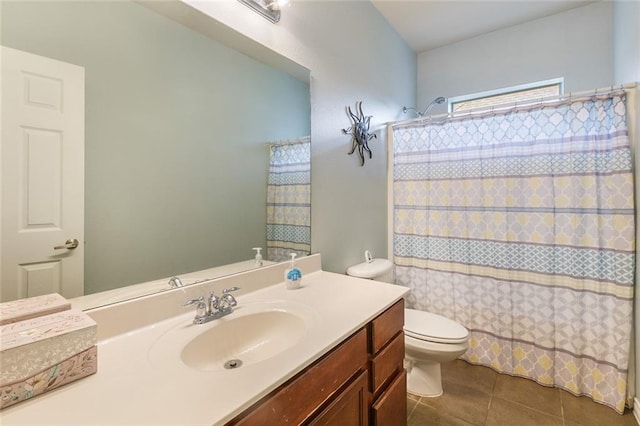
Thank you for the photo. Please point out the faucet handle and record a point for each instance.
(175, 282)
(201, 308)
(194, 301)
(228, 298)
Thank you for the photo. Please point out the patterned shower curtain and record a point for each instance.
(289, 199)
(520, 226)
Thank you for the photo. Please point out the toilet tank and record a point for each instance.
(373, 269)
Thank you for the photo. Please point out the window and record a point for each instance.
(507, 95)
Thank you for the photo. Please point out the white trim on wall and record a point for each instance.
(390, 195)
(506, 90)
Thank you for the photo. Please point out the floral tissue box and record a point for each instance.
(43, 353)
(22, 309)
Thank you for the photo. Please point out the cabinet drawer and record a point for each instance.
(391, 408)
(296, 400)
(386, 326)
(350, 408)
(387, 363)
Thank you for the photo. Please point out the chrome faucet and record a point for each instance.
(175, 282)
(214, 302)
(215, 307)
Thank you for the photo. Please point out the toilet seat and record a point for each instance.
(433, 327)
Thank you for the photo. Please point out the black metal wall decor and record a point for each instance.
(359, 132)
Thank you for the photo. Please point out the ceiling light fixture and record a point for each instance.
(270, 9)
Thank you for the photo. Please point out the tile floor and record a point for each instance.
(478, 396)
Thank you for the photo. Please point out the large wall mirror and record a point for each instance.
(176, 133)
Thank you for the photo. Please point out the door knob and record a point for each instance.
(70, 244)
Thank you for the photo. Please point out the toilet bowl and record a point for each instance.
(429, 339)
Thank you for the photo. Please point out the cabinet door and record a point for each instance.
(297, 400)
(391, 408)
(350, 408)
(386, 326)
(386, 364)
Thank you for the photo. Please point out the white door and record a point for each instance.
(41, 176)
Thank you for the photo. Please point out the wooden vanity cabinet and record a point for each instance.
(387, 377)
(298, 400)
(390, 409)
(360, 382)
(350, 407)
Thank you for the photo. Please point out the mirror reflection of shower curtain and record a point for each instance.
(289, 199)
(520, 225)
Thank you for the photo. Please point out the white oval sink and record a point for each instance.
(256, 331)
(243, 340)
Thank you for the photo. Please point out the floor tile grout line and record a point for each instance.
(491, 395)
(411, 413)
(564, 421)
(495, 382)
(414, 408)
(533, 409)
(486, 418)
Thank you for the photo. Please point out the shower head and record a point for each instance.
(437, 100)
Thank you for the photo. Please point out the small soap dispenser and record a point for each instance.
(258, 256)
(292, 275)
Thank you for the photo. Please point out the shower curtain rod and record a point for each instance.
(303, 139)
(514, 105)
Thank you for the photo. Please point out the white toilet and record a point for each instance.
(429, 339)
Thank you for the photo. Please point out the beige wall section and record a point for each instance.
(575, 44)
(626, 68)
(354, 55)
(626, 41)
(633, 109)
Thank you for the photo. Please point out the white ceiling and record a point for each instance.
(427, 24)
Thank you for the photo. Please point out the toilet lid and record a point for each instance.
(374, 269)
(433, 327)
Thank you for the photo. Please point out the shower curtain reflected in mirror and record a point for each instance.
(289, 199)
(520, 226)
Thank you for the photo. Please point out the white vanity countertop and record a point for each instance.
(132, 388)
